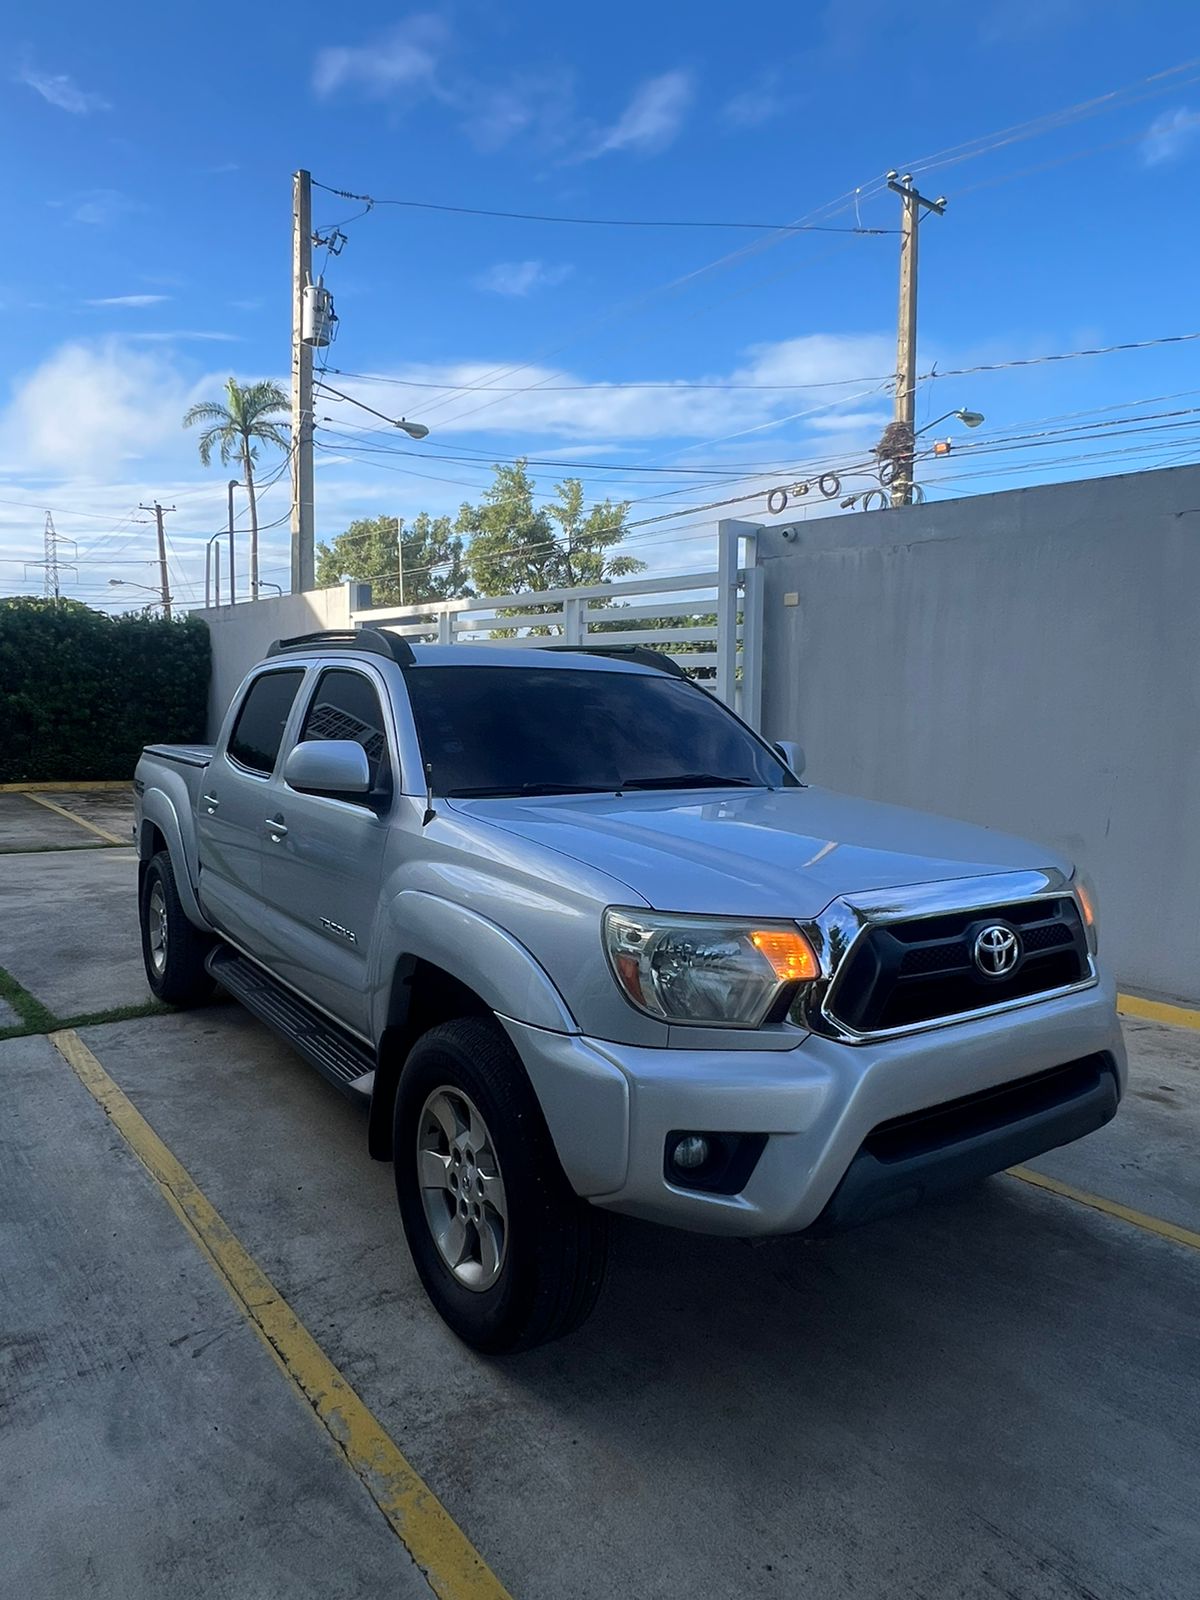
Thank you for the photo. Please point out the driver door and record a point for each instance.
(323, 856)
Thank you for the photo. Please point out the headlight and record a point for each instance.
(707, 970)
(1085, 894)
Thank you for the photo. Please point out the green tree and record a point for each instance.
(249, 417)
(515, 545)
(370, 548)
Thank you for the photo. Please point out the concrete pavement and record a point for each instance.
(994, 1396)
(68, 928)
(149, 1446)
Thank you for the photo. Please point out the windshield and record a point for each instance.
(555, 730)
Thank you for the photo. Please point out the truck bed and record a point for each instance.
(187, 755)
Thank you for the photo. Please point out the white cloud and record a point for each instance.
(651, 120)
(178, 335)
(1170, 135)
(60, 89)
(537, 104)
(89, 407)
(97, 208)
(542, 402)
(521, 277)
(404, 57)
(761, 102)
(132, 300)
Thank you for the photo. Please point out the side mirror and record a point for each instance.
(793, 755)
(328, 766)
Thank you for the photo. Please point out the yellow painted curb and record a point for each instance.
(1110, 1208)
(1132, 1005)
(73, 816)
(454, 1568)
(61, 788)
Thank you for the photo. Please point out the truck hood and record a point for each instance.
(768, 854)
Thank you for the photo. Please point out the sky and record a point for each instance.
(148, 252)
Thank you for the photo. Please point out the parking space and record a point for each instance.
(994, 1396)
(27, 826)
(68, 929)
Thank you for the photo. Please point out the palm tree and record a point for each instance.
(234, 427)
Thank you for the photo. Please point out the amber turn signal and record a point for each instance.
(791, 956)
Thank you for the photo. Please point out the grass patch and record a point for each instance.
(37, 1018)
(90, 1019)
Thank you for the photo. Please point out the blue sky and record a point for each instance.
(148, 249)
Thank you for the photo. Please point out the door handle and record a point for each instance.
(277, 828)
(210, 802)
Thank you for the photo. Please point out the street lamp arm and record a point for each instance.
(970, 419)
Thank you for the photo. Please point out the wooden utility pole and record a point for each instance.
(904, 411)
(303, 571)
(164, 583)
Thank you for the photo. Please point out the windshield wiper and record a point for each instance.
(690, 780)
(500, 790)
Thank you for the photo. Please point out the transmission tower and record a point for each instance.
(50, 565)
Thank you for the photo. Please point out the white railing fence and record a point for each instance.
(669, 613)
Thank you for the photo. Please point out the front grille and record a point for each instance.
(904, 973)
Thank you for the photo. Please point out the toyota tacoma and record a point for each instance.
(583, 942)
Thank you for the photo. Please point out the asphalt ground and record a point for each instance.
(219, 1375)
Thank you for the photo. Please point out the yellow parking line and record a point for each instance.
(64, 787)
(1111, 1208)
(92, 827)
(1132, 1005)
(454, 1568)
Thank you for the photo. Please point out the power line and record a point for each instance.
(587, 222)
(1049, 122)
(830, 383)
(574, 388)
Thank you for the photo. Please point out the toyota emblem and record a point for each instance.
(997, 950)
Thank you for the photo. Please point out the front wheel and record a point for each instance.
(173, 949)
(509, 1255)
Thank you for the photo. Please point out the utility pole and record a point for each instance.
(899, 446)
(400, 554)
(164, 584)
(302, 389)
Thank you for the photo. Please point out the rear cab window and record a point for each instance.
(258, 730)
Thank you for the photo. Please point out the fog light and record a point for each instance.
(690, 1152)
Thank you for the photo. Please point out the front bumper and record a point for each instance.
(611, 1107)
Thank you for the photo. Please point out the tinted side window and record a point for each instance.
(258, 731)
(346, 706)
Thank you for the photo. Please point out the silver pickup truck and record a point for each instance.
(584, 942)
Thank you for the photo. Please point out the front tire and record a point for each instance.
(173, 949)
(507, 1252)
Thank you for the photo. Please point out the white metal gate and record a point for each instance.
(665, 611)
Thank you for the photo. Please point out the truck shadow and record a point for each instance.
(962, 1326)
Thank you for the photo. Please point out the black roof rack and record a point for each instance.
(641, 654)
(372, 640)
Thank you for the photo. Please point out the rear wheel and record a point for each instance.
(173, 949)
(509, 1255)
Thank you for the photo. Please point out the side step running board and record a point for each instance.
(347, 1063)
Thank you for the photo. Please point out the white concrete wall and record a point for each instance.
(242, 634)
(1029, 660)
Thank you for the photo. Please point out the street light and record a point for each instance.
(414, 430)
(969, 419)
(208, 569)
(124, 583)
(233, 483)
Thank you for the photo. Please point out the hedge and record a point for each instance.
(82, 692)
